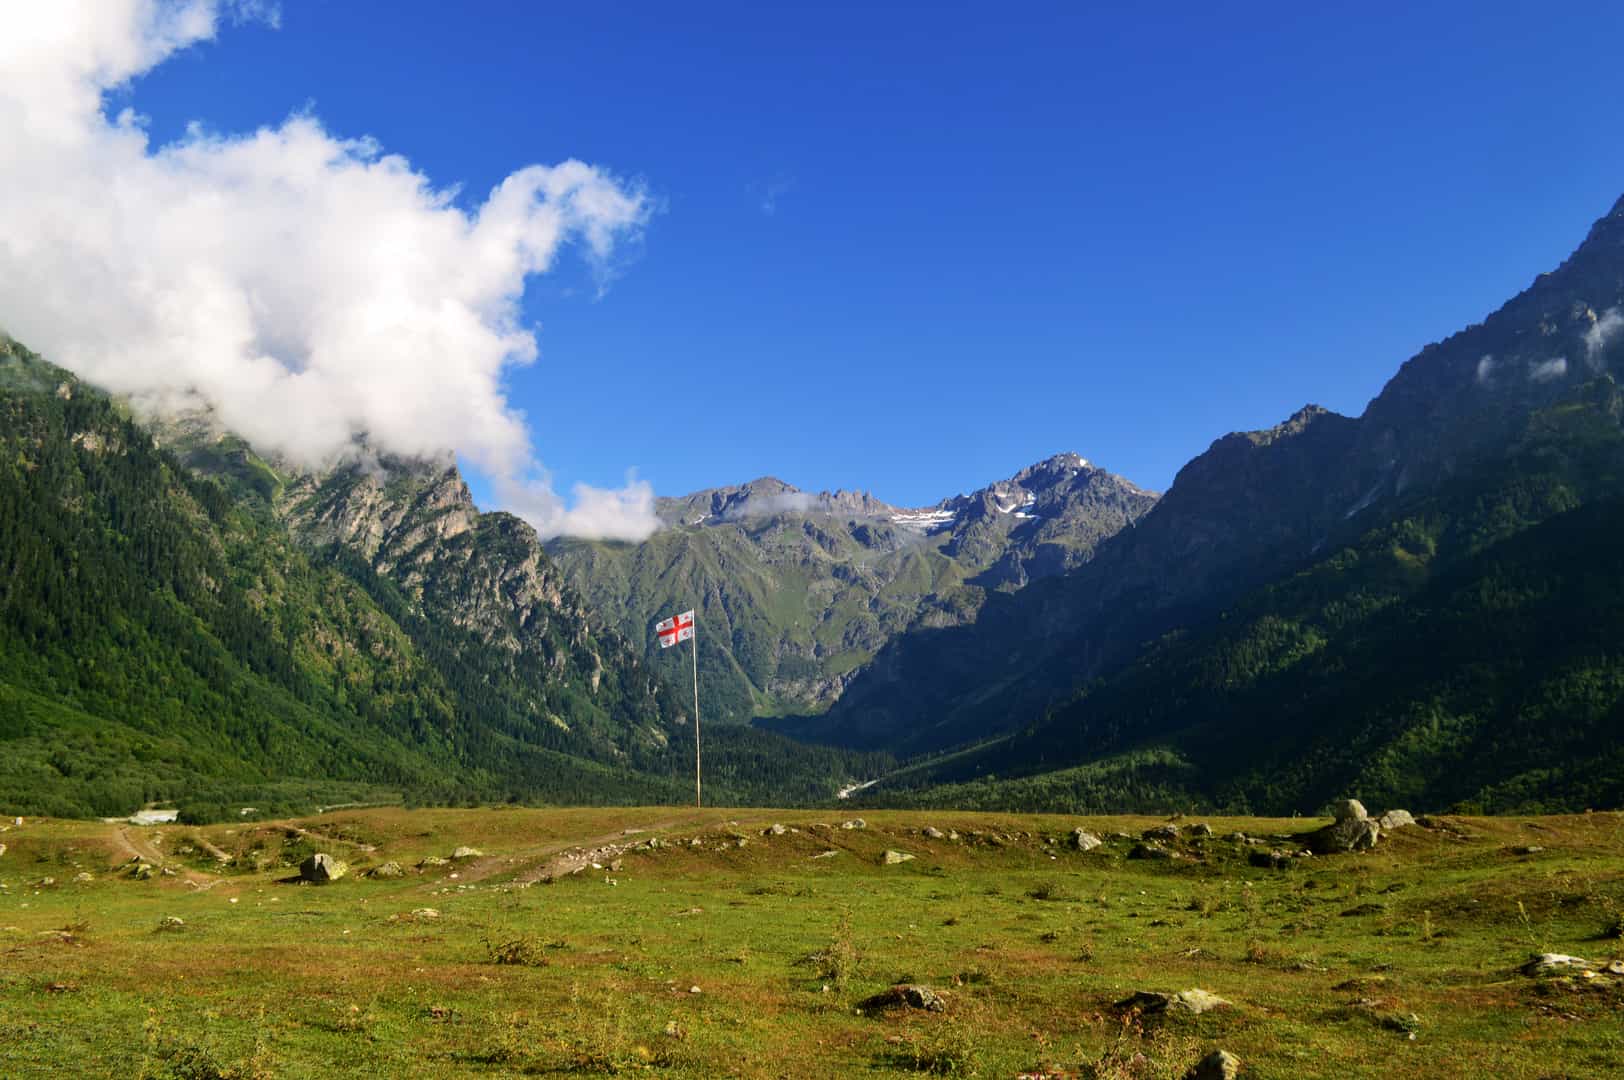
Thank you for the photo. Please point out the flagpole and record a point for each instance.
(694, 639)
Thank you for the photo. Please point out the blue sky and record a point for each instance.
(913, 248)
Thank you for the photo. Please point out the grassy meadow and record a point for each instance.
(752, 954)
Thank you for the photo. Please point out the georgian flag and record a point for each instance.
(674, 630)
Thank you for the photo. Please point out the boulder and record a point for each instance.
(931, 832)
(1555, 964)
(1395, 819)
(171, 923)
(1217, 1065)
(387, 870)
(425, 913)
(466, 853)
(1348, 810)
(1149, 851)
(1161, 832)
(321, 869)
(854, 823)
(906, 996)
(1191, 1002)
(1083, 840)
(1201, 828)
(891, 858)
(84, 877)
(431, 861)
(1346, 834)
(774, 829)
(1527, 849)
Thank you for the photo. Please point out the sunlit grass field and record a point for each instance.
(752, 954)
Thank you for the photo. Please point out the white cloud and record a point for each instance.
(1601, 334)
(310, 288)
(1546, 370)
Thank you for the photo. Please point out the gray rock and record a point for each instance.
(321, 869)
(1527, 849)
(854, 823)
(1201, 828)
(1269, 860)
(1161, 832)
(1149, 851)
(1083, 840)
(1349, 810)
(84, 877)
(171, 923)
(1218, 1065)
(931, 832)
(1555, 964)
(431, 861)
(466, 853)
(1347, 834)
(891, 858)
(774, 829)
(906, 996)
(1192, 1002)
(387, 870)
(1395, 819)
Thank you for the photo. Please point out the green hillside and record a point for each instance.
(1467, 653)
(164, 637)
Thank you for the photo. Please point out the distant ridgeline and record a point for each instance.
(182, 621)
(1423, 606)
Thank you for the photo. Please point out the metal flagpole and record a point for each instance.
(694, 639)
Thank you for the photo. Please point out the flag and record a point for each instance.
(674, 630)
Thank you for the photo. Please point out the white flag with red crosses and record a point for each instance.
(671, 631)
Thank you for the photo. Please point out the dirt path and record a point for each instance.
(138, 846)
(564, 856)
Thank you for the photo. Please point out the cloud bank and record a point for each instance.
(313, 290)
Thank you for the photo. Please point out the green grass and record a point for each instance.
(1332, 965)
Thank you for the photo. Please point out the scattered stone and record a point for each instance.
(931, 832)
(1555, 964)
(953, 835)
(1527, 849)
(826, 855)
(2, 849)
(431, 861)
(1149, 851)
(1395, 819)
(774, 829)
(1238, 838)
(1192, 1002)
(1161, 832)
(321, 868)
(45, 882)
(695, 842)
(1349, 810)
(142, 871)
(83, 878)
(387, 870)
(466, 853)
(695, 990)
(739, 841)
(1345, 835)
(854, 823)
(1218, 1065)
(1201, 828)
(615, 866)
(891, 857)
(425, 913)
(171, 923)
(1083, 840)
(906, 996)
(654, 843)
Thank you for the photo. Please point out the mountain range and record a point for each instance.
(1418, 604)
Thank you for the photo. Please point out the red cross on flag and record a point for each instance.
(674, 630)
